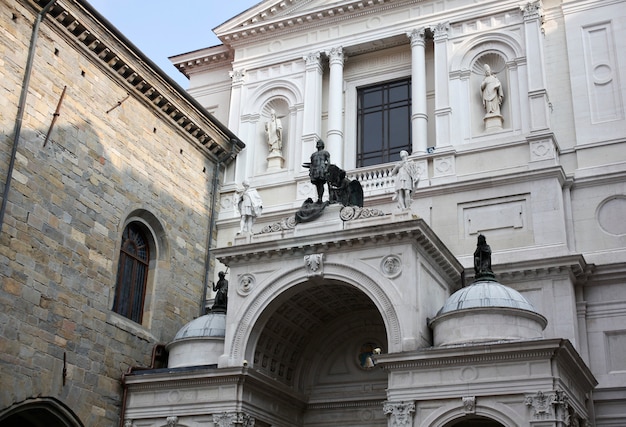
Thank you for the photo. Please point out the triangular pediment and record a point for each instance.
(271, 15)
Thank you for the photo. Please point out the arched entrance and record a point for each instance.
(474, 421)
(318, 338)
(39, 412)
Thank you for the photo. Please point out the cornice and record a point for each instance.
(203, 59)
(81, 25)
(415, 231)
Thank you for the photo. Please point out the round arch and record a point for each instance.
(39, 412)
(448, 416)
(504, 44)
(367, 284)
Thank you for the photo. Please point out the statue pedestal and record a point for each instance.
(493, 122)
(275, 162)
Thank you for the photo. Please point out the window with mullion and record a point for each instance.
(132, 274)
(383, 122)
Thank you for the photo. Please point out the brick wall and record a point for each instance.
(66, 210)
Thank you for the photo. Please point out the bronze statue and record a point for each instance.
(221, 297)
(318, 169)
(482, 260)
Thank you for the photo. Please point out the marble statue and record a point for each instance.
(250, 207)
(407, 176)
(274, 134)
(492, 93)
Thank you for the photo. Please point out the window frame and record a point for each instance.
(132, 308)
(388, 111)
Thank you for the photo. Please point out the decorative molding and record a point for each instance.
(172, 421)
(417, 36)
(469, 404)
(288, 223)
(391, 266)
(399, 413)
(246, 284)
(314, 264)
(441, 31)
(349, 213)
(237, 76)
(232, 419)
(532, 10)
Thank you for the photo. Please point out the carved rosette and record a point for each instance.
(391, 266)
(399, 413)
(314, 264)
(349, 213)
(246, 284)
(232, 419)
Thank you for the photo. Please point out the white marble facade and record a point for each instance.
(307, 302)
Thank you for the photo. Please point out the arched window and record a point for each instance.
(132, 273)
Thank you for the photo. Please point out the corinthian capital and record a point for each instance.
(335, 55)
(417, 36)
(400, 413)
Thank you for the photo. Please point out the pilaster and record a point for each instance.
(443, 112)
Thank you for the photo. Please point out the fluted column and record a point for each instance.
(419, 115)
(537, 92)
(312, 110)
(334, 137)
(443, 112)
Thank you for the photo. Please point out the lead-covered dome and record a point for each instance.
(486, 311)
(485, 293)
(198, 343)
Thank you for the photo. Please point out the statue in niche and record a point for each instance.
(407, 177)
(318, 169)
(250, 207)
(482, 260)
(343, 190)
(221, 297)
(274, 134)
(492, 93)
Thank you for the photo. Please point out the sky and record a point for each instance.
(164, 28)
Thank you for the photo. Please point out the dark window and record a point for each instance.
(132, 273)
(383, 122)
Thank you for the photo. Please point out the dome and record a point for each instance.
(486, 311)
(198, 343)
(209, 325)
(486, 293)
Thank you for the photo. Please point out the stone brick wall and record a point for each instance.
(67, 207)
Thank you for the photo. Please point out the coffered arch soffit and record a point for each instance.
(371, 285)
